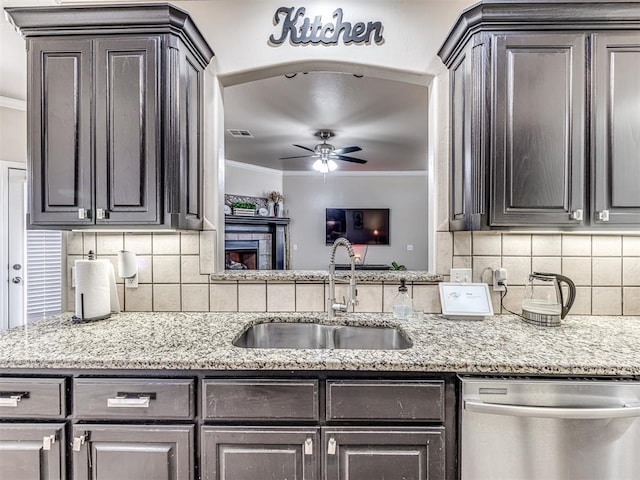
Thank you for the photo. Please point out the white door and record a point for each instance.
(13, 210)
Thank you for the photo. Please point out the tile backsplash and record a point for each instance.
(170, 280)
(605, 268)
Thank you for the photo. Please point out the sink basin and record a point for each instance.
(370, 338)
(318, 336)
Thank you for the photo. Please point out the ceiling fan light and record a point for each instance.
(331, 165)
(320, 166)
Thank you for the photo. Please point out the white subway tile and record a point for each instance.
(517, 245)
(190, 266)
(546, 245)
(281, 297)
(606, 246)
(631, 271)
(195, 298)
(166, 243)
(606, 300)
(166, 298)
(426, 298)
(189, 243)
(631, 246)
(166, 269)
(631, 300)
(223, 297)
(109, 243)
(252, 297)
(518, 269)
(487, 243)
(546, 264)
(310, 297)
(139, 299)
(483, 268)
(138, 243)
(462, 243)
(577, 269)
(607, 271)
(576, 245)
(369, 297)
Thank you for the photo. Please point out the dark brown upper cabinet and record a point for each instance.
(114, 116)
(542, 130)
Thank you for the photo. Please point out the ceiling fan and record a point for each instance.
(327, 154)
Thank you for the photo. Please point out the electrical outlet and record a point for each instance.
(131, 282)
(500, 280)
(460, 275)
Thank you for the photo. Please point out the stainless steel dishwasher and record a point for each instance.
(530, 429)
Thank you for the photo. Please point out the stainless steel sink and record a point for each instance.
(318, 336)
(370, 338)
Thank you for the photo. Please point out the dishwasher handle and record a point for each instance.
(552, 412)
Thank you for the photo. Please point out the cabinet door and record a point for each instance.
(616, 128)
(118, 452)
(59, 130)
(468, 137)
(538, 129)
(189, 155)
(32, 451)
(383, 453)
(128, 121)
(242, 453)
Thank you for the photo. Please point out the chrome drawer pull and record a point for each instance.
(308, 446)
(48, 441)
(11, 399)
(331, 447)
(128, 402)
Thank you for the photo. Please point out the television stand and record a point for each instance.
(368, 266)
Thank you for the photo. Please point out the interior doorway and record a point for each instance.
(13, 177)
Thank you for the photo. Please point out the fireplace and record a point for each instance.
(255, 243)
(241, 254)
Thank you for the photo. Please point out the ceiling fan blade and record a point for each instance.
(299, 156)
(305, 148)
(342, 151)
(349, 159)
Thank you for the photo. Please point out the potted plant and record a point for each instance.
(244, 208)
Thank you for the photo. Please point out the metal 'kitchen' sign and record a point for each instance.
(301, 30)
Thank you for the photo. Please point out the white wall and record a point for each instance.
(307, 196)
(13, 135)
(250, 180)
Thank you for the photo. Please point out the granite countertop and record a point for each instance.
(583, 345)
(323, 275)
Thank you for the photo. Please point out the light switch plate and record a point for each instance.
(460, 275)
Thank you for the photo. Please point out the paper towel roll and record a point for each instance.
(96, 294)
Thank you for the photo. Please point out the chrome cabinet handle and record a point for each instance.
(128, 402)
(11, 399)
(551, 412)
(603, 215)
(331, 446)
(577, 214)
(16, 280)
(48, 441)
(308, 446)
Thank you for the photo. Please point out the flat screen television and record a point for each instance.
(364, 226)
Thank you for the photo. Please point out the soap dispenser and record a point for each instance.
(402, 303)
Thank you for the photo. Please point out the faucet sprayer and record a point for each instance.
(333, 306)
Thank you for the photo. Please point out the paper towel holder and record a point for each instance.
(128, 268)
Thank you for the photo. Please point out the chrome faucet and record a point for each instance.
(333, 305)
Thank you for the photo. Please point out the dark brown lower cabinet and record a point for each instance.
(128, 452)
(32, 451)
(355, 453)
(242, 453)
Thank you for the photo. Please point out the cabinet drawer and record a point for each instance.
(260, 399)
(133, 398)
(32, 397)
(386, 401)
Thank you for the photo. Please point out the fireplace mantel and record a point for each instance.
(256, 220)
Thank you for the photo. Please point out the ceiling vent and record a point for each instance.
(239, 133)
